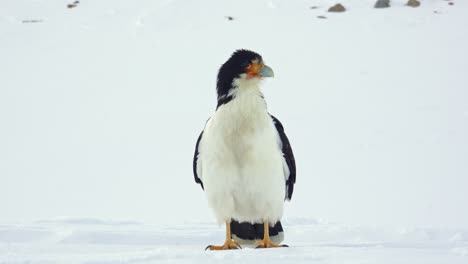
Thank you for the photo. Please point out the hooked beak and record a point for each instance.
(266, 72)
(259, 70)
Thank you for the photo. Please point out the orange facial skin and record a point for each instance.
(253, 69)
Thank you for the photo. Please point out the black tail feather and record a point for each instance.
(248, 231)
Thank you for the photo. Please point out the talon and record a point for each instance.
(230, 244)
(267, 244)
(236, 245)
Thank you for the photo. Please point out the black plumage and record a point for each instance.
(195, 159)
(231, 69)
(288, 156)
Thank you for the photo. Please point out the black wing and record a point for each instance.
(195, 161)
(288, 157)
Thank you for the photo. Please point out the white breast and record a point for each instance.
(241, 162)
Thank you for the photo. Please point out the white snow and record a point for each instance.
(101, 105)
(99, 241)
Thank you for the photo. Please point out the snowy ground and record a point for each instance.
(97, 241)
(101, 104)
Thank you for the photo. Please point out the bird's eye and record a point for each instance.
(245, 64)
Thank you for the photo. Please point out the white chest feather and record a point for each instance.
(241, 162)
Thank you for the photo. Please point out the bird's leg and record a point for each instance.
(266, 242)
(229, 243)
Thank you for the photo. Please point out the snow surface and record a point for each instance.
(100, 107)
(100, 241)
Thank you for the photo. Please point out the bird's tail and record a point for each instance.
(247, 233)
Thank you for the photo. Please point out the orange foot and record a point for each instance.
(267, 244)
(229, 244)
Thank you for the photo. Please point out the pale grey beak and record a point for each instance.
(266, 72)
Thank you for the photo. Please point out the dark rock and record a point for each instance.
(450, 3)
(413, 3)
(314, 7)
(322, 17)
(32, 21)
(337, 8)
(230, 18)
(382, 4)
(73, 5)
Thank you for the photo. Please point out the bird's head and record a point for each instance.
(243, 69)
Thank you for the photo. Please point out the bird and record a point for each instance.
(243, 159)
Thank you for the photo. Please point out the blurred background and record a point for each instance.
(101, 104)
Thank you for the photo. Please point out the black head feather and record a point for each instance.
(231, 69)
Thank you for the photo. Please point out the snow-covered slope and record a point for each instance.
(101, 104)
